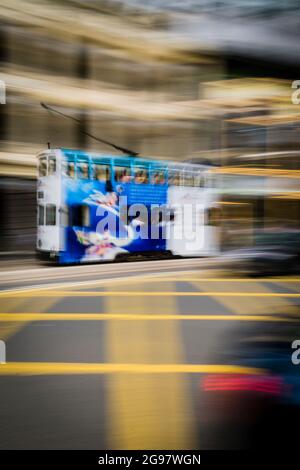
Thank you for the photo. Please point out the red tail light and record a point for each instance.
(253, 383)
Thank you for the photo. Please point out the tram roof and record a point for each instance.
(124, 159)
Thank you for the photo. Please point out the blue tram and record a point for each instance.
(95, 207)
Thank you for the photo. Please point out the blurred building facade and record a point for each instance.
(127, 78)
(111, 69)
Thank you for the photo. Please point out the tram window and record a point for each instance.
(141, 175)
(188, 178)
(83, 170)
(174, 178)
(68, 166)
(199, 179)
(41, 214)
(101, 172)
(70, 169)
(50, 214)
(43, 167)
(213, 216)
(63, 216)
(80, 216)
(209, 180)
(171, 215)
(158, 177)
(52, 165)
(122, 174)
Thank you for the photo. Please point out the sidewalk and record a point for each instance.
(15, 260)
(25, 273)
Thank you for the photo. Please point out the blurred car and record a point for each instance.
(240, 411)
(273, 253)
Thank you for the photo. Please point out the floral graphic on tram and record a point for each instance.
(107, 243)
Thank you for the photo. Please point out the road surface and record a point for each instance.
(111, 356)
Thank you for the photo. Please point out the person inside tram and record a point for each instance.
(158, 178)
(138, 177)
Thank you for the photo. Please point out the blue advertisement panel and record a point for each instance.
(111, 215)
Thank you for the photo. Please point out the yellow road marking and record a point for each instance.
(69, 368)
(10, 326)
(42, 293)
(12, 304)
(242, 279)
(160, 278)
(263, 299)
(147, 411)
(32, 317)
(150, 278)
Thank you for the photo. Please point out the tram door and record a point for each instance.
(191, 231)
